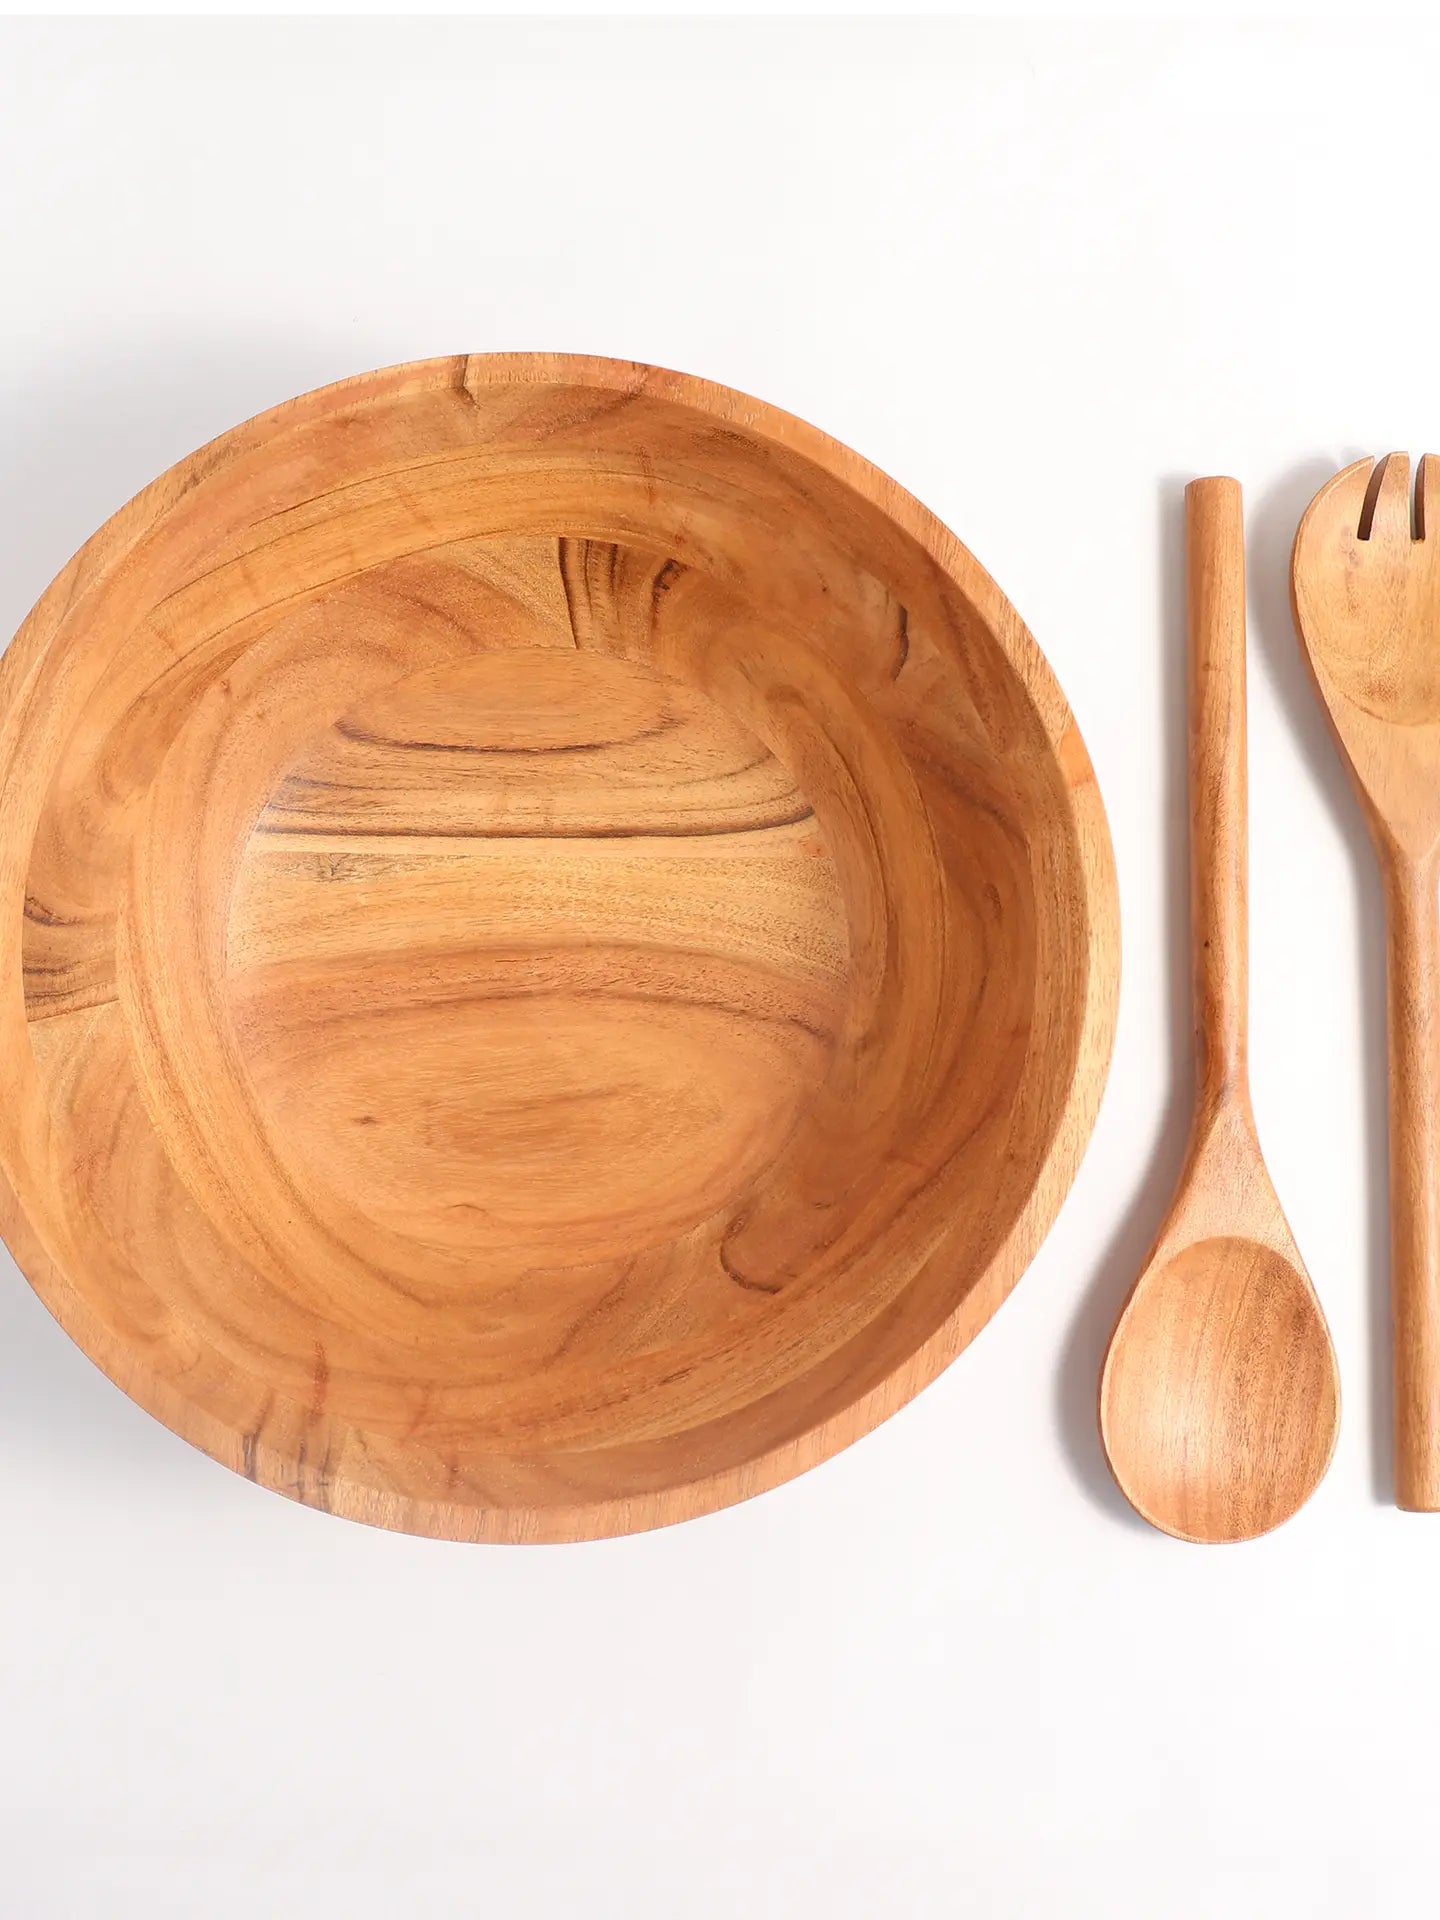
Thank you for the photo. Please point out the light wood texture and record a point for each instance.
(1219, 1399)
(1366, 588)
(558, 947)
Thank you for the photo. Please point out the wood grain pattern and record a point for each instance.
(558, 947)
(1219, 1399)
(1366, 590)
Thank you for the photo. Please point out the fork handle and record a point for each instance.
(1412, 913)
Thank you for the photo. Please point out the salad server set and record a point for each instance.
(1219, 1400)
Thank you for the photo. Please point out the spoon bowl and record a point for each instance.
(1219, 1403)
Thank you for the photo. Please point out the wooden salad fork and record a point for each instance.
(1365, 581)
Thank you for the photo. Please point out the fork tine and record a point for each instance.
(1389, 500)
(1427, 497)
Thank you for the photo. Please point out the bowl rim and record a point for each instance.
(683, 1500)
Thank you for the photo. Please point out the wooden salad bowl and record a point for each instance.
(558, 947)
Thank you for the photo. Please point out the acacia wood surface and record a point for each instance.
(558, 947)
(1366, 588)
(1219, 1399)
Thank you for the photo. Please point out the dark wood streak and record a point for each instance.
(672, 723)
(40, 915)
(572, 587)
(682, 831)
(904, 650)
(665, 579)
(743, 1280)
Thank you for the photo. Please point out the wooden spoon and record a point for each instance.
(1366, 588)
(1219, 1399)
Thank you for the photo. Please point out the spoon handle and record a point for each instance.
(1219, 841)
(1413, 1023)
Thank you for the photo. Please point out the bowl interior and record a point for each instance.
(556, 948)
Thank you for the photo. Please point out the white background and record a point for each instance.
(1042, 276)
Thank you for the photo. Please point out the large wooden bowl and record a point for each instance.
(557, 947)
